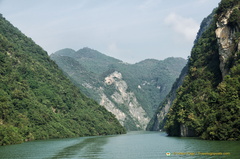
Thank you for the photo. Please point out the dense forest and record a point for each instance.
(208, 102)
(37, 101)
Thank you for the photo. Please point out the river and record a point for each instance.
(133, 145)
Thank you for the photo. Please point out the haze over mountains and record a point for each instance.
(130, 91)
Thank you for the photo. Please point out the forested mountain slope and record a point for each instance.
(130, 91)
(37, 101)
(159, 119)
(208, 102)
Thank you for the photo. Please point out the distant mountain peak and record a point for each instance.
(65, 52)
(87, 49)
(148, 61)
(130, 91)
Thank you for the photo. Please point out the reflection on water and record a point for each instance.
(134, 145)
(88, 148)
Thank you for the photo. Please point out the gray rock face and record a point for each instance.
(122, 97)
(225, 37)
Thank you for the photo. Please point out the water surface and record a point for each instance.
(134, 145)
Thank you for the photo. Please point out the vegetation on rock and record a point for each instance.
(208, 101)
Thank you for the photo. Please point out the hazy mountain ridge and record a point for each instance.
(159, 119)
(141, 87)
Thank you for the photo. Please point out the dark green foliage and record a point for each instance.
(234, 19)
(37, 101)
(225, 5)
(207, 102)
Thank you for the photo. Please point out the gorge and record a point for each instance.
(132, 92)
(78, 93)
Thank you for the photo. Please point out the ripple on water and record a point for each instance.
(134, 145)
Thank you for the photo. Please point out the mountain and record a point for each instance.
(132, 92)
(159, 119)
(37, 101)
(208, 102)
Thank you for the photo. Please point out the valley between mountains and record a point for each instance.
(132, 92)
(86, 93)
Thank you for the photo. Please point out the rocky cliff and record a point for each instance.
(126, 99)
(208, 102)
(227, 34)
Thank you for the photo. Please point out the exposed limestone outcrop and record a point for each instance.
(122, 96)
(109, 105)
(225, 36)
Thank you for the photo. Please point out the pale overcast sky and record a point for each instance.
(130, 30)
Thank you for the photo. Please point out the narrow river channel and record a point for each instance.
(133, 145)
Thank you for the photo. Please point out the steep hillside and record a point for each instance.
(37, 101)
(208, 102)
(159, 119)
(130, 91)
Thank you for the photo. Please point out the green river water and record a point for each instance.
(133, 145)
